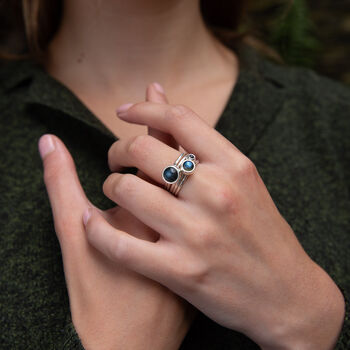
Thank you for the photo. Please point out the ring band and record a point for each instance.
(176, 175)
(173, 187)
(187, 166)
(172, 170)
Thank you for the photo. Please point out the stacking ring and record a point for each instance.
(175, 175)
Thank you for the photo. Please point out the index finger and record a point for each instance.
(188, 129)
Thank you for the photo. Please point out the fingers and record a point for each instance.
(151, 156)
(144, 152)
(188, 129)
(155, 93)
(162, 261)
(144, 257)
(67, 197)
(152, 205)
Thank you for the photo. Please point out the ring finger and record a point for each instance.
(144, 152)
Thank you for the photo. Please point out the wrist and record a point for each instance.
(136, 338)
(157, 329)
(319, 318)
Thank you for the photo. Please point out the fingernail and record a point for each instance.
(123, 108)
(46, 145)
(86, 215)
(159, 88)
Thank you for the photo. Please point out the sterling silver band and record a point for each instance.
(185, 165)
(177, 161)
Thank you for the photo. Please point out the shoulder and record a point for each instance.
(15, 78)
(7, 72)
(303, 87)
(306, 85)
(318, 107)
(13, 73)
(316, 100)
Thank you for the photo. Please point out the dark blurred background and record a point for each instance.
(332, 20)
(311, 33)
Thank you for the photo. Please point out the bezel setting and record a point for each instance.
(182, 174)
(190, 157)
(177, 172)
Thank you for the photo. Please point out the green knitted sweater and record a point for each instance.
(291, 122)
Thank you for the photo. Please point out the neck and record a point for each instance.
(128, 44)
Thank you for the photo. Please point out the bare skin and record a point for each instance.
(107, 52)
(111, 307)
(106, 70)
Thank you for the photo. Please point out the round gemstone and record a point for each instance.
(188, 165)
(170, 174)
(192, 156)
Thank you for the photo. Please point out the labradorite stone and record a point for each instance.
(170, 174)
(188, 165)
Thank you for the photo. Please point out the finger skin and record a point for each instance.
(68, 201)
(144, 152)
(153, 94)
(188, 129)
(151, 156)
(116, 164)
(66, 195)
(136, 254)
(151, 204)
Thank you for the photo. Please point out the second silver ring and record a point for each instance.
(187, 164)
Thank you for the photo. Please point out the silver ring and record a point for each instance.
(171, 173)
(176, 175)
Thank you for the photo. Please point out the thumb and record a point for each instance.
(67, 197)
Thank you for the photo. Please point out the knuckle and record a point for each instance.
(225, 199)
(178, 113)
(245, 168)
(123, 185)
(193, 275)
(115, 249)
(138, 146)
(118, 251)
(116, 185)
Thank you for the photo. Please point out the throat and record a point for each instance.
(207, 97)
(208, 101)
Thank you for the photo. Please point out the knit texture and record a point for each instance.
(291, 122)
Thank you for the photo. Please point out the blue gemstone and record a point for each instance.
(188, 165)
(170, 174)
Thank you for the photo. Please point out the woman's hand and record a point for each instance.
(223, 244)
(112, 307)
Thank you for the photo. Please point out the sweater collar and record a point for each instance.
(255, 101)
(253, 104)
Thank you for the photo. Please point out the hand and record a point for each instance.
(223, 244)
(112, 307)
